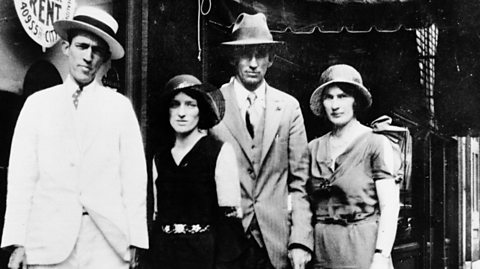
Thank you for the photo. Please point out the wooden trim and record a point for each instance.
(144, 68)
(468, 201)
(461, 198)
(136, 58)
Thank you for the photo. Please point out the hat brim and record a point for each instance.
(212, 97)
(247, 42)
(316, 103)
(63, 26)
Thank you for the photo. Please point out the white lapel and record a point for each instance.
(66, 112)
(96, 118)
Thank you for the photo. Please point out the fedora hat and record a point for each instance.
(339, 74)
(251, 30)
(211, 97)
(96, 21)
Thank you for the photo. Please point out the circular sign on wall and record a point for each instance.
(38, 16)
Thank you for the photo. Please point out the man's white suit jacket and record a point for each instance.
(56, 172)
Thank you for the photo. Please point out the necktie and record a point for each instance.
(75, 96)
(251, 117)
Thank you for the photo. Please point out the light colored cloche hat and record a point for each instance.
(211, 96)
(96, 21)
(339, 73)
(251, 30)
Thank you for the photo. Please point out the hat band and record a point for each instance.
(184, 84)
(94, 22)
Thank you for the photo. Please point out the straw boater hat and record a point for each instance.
(96, 21)
(212, 98)
(251, 30)
(343, 74)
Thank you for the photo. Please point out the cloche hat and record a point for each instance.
(96, 21)
(339, 73)
(210, 96)
(251, 30)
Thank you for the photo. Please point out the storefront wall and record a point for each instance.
(170, 46)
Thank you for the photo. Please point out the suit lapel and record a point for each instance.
(233, 120)
(68, 122)
(273, 114)
(96, 119)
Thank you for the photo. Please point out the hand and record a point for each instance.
(381, 262)
(134, 258)
(299, 258)
(232, 211)
(18, 259)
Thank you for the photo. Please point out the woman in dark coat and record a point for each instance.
(196, 180)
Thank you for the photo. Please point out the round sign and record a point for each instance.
(38, 16)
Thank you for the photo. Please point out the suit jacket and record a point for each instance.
(283, 172)
(57, 171)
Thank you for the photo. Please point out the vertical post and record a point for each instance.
(144, 72)
(468, 200)
(136, 76)
(461, 167)
(136, 57)
(205, 49)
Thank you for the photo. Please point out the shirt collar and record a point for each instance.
(72, 85)
(242, 93)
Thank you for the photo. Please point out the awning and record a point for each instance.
(327, 16)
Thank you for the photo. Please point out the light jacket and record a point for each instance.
(282, 172)
(57, 172)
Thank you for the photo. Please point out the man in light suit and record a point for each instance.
(266, 128)
(77, 176)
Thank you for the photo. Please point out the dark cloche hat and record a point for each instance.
(212, 97)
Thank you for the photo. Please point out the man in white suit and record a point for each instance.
(266, 128)
(77, 176)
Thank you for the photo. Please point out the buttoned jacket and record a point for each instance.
(282, 172)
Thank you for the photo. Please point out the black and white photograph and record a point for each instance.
(239, 134)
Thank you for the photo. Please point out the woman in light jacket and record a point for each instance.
(354, 194)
